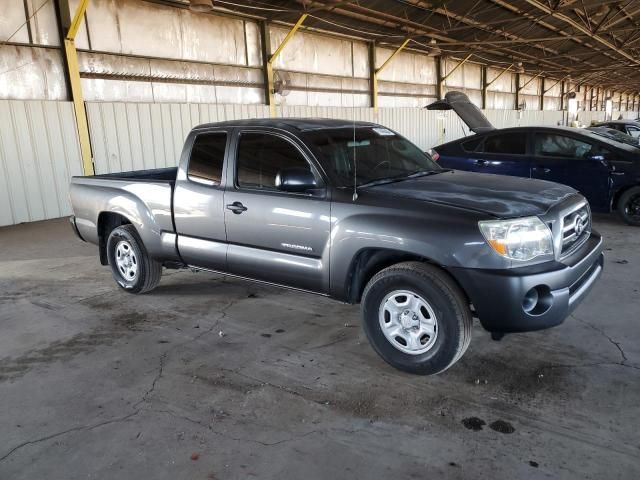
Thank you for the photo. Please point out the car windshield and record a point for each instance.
(368, 155)
(616, 135)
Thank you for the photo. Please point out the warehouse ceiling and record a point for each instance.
(591, 42)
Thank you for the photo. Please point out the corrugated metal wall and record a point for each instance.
(39, 152)
(39, 149)
(131, 136)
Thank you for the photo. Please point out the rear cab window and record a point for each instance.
(207, 158)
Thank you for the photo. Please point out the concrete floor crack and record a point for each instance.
(604, 334)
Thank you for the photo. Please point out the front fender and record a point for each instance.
(445, 236)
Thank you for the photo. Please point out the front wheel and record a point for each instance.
(416, 318)
(131, 266)
(629, 206)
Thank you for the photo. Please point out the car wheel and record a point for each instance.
(629, 206)
(130, 264)
(416, 318)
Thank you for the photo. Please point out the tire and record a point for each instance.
(132, 268)
(442, 331)
(629, 206)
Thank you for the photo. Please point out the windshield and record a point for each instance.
(616, 135)
(368, 154)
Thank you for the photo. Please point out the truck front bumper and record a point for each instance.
(528, 298)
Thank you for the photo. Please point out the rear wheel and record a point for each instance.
(629, 206)
(130, 264)
(416, 318)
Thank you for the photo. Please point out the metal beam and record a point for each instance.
(376, 71)
(581, 28)
(530, 80)
(457, 66)
(272, 58)
(71, 23)
(499, 75)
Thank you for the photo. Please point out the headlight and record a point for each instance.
(518, 239)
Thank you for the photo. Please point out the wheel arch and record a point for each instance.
(369, 261)
(107, 222)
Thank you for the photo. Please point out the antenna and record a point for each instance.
(353, 117)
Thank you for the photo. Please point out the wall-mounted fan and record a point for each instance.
(282, 83)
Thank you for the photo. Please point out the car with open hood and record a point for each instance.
(605, 170)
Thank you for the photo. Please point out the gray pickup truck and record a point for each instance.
(355, 212)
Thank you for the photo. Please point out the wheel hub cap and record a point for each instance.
(408, 322)
(126, 261)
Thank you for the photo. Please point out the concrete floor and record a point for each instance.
(208, 378)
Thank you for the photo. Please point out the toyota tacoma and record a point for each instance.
(355, 212)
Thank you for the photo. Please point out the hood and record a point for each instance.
(467, 111)
(496, 195)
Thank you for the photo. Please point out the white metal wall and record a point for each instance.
(39, 152)
(131, 136)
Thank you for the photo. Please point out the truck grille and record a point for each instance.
(576, 229)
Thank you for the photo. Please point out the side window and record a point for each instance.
(261, 156)
(553, 145)
(634, 131)
(207, 157)
(509, 143)
(471, 145)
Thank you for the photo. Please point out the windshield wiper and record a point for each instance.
(399, 178)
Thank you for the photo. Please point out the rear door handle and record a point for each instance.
(542, 169)
(237, 208)
(482, 163)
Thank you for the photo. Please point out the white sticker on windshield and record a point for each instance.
(384, 132)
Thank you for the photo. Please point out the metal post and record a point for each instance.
(373, 79)
(439, 83)
(265, 48)
(542, 92)
(376, 72)
(484, 87)
(272, 58)
(72, 24)
(517, 91)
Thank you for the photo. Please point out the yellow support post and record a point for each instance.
(376, 71)
(457, 66)
(76, 87)
(272, 59)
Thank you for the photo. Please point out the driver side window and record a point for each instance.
(261, 156)
(554, 145)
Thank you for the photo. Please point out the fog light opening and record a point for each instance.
(537, 300)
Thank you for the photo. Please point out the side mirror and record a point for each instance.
(295, 179)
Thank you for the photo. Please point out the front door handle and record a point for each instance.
(482, 163)
(237, 208)
(542, 169)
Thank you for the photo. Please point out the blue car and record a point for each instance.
(604, 170)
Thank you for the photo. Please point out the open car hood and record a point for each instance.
(467, 111)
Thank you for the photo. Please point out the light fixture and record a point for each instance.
(200, 5)
(519, 68)
(435, 50)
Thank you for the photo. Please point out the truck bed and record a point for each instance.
(144, 197)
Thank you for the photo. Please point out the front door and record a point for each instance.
(273, 235)
(575, 162)
(502, 153)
